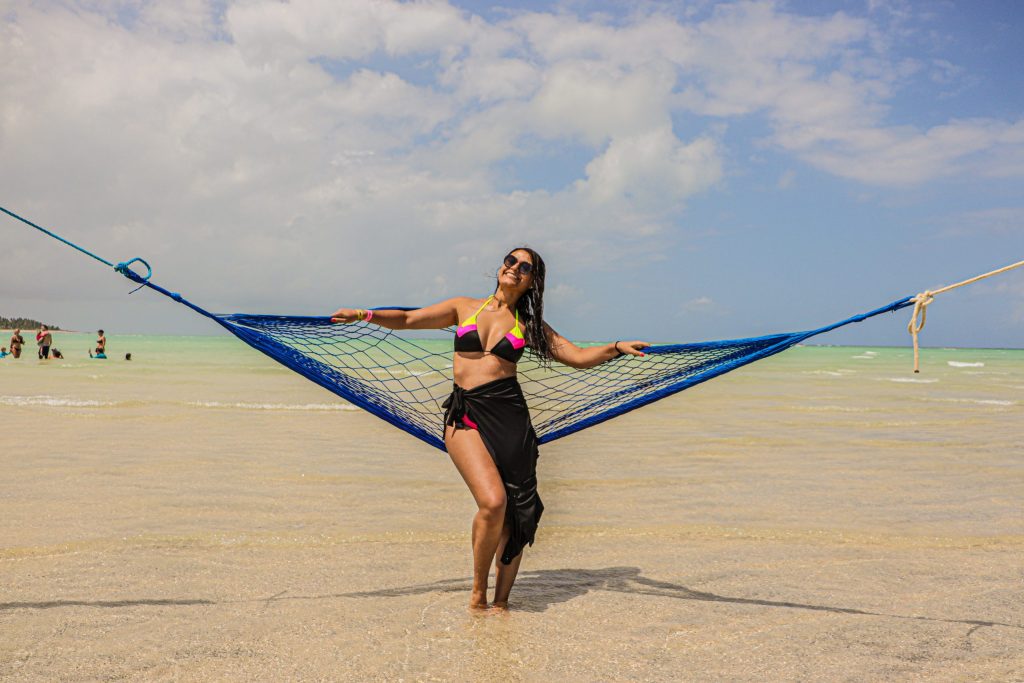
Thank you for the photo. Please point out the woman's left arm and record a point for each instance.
(564, 351)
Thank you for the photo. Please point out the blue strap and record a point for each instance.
(120, 267)
(123, 267)
(57, 237)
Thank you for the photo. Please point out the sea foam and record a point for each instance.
(978, 401)
(830, 373)
(55, 401)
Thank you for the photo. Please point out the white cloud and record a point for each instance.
(653, 167)
(274, 32)
(698, 304)
(1003, 221)
(902, 156)
(492, 80)
(597, 102)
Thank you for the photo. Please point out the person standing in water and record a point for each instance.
(17, 341)
(45, 341)
(487, 428)
(101, 344)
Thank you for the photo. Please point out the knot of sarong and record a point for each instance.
(455, 405)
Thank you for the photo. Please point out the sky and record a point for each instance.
(688, 170)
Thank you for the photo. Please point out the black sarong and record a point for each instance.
(498, 411)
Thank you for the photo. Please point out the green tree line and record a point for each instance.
(22, 323)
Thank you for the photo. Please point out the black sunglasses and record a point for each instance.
(525, 267)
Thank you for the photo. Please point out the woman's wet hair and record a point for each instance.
(531, 309)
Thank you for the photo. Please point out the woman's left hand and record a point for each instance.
(633, 348)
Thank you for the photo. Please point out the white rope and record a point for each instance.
(922, 300)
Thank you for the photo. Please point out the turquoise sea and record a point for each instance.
(215, 370)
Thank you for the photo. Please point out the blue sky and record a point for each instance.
(689, 170)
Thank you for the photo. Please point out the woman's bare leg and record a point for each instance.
(506, 573)
(474, 463)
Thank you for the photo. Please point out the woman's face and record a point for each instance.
(512, 275)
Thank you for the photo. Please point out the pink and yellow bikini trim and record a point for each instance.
(469, 324)
(515, 335)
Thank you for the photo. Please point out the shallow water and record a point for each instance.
(200, 512)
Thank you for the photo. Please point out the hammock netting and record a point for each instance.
(404, 380)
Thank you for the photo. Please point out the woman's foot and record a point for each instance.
(499, 606)
(478, 600)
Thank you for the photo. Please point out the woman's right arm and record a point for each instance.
(435, 317)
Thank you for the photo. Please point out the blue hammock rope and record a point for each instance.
(404, 381)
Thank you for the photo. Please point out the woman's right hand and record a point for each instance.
(631, 348)
(346, 315)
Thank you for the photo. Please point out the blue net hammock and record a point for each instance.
(404, 380)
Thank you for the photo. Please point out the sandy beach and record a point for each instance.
(823, 515)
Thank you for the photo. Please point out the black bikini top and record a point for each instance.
(511, 347)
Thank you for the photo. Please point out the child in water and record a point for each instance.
(3, 352)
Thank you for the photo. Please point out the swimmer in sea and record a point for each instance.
(17, 341)
(45, 340)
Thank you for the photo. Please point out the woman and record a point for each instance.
(17, 341)
(488, 433)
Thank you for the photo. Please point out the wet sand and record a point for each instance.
(770, 525)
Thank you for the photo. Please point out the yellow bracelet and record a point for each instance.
(360, 314)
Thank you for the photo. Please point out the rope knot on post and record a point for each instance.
(917, 320)
(922, 300)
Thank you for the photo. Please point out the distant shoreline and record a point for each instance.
(908, 346)
(8, 331)
(26, 329)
